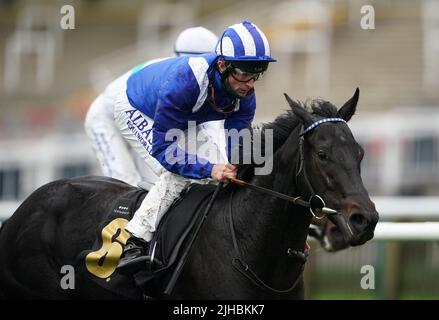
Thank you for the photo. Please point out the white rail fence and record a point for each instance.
(407, 231)
(390, 208)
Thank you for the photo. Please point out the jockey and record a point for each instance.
(168, 95)
(197, 40)
(115, 156)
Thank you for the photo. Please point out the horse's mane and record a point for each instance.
(287, 122)
(284, 124)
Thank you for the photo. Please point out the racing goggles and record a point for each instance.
(242, 76)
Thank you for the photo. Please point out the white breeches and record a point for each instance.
(136, 129)
(117, 159)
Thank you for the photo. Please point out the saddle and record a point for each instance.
(99, 263)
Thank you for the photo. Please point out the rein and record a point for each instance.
(243, 267)
(315, 202)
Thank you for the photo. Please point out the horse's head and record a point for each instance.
(331, 169)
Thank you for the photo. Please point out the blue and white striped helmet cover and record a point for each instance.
(244, 41)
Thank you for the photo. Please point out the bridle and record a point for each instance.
(300, 168)
(315, 202)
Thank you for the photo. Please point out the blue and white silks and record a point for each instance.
(174, 92)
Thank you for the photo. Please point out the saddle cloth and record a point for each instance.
(99, 263)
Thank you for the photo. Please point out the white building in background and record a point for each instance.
(402, 150)
(27, 164)
(37, 33)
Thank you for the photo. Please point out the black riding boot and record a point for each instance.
(134, 256)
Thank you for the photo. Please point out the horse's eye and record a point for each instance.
(322, 155)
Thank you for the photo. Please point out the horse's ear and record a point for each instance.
(347, 111)
(299, 111)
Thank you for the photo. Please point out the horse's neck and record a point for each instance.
(268, 226)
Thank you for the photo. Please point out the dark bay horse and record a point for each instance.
(59, 220)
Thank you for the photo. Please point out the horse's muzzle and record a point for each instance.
(355, 230)
(363, 225)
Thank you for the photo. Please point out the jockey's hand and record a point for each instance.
(222, 172)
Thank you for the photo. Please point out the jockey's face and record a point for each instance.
(240, 88)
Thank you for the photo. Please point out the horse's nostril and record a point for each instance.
(358, 221)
